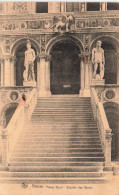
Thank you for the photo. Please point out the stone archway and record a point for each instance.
(65, 68)
(18, 51)
(111, 47)
(64, 64)
(6, 113)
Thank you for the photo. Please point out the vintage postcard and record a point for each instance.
(59, 98)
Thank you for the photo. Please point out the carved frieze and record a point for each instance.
(60, 23)
(95, 22)
(23, 25)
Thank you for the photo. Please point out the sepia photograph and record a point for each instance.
(59, 97)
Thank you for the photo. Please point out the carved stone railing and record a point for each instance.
(19, 119)
(103, 126)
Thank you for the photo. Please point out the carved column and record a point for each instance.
(7, 67)
(85, 84)
(63, 6)
(103, 6)
(83, 7)
(108, 139)
(47, 63)
(12, 71)
(43, 78)
(82, 75)
(2, 72)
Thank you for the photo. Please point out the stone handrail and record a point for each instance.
(19, 119)
(103, 126)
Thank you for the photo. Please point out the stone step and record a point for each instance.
(91, 139)
(69, 135)
(58, 154)
(64, 113)
(56, 166)
(57, 150)
(58, 145)
(78, 122)
(57, 180)
(51, 174)
(53, 159)
(66, 132)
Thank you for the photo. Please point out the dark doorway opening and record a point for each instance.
(110, 74)
(65, 69)
(20, 55)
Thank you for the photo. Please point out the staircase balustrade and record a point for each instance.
(19, 119)
(103, 126)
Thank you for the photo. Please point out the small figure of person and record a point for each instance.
(29, 63)
(98, 60)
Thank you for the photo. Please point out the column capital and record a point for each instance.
(6, 57)
(12, 58)
(85, 57)
(45, 56)
(1, 60)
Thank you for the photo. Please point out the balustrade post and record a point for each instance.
(4, 150)
(108, 139)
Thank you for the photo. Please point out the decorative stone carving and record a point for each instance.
(42, 43)
(20, 6)
(109, 94)
(1, 7)
(87, 23)
(63, 23)
(14, 95)
(28, 74)
(98, 60)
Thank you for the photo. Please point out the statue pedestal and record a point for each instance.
(98, 81)
(29, 83)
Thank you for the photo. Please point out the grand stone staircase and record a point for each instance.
(61, 144)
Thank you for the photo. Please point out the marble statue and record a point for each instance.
(29, 63)
(98, 59)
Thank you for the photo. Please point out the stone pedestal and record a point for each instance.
(29, 83)
(98, 81)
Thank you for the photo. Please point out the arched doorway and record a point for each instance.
(65, 68)
(112, 113)
(7, 113)
(20, 55)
